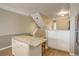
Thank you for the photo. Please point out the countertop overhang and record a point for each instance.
(32, 41)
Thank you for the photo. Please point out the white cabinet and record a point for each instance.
(22, 49)
(59, 39)
(19, 48)
(52, 39)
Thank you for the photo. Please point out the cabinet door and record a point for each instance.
(62, 42)
(52, 39)
(19, 48)
(59, 40)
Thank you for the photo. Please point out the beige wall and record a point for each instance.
(45, 19)
(62, 23)
(12, 23)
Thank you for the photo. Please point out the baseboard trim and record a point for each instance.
(5, 48)
(58, 49)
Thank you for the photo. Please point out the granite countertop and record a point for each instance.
(33, 41)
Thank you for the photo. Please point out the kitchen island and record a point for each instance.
(25, 45)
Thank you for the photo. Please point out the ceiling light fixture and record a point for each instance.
(62, 13)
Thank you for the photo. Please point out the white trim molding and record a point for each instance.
(13, 10)
(5, 48)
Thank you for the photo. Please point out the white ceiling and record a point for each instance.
(48, 9)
